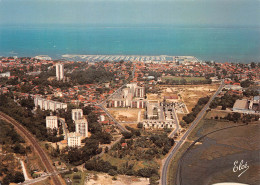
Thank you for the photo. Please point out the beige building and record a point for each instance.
(82, 127)
(74, 139)
(59, 71)
(52, 122)
(77, 114)
(45, 104)
(131, 96)
(159, 116)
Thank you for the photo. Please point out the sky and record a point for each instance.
(141, 12)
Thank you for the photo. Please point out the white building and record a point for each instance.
(159, 116)
(52, 122)
(6, 74)
(77, 114)
(74, 139)
(102, 118)
(48, 104)
(131, 96)
(82, 127)
(43, 57)
(159, 124)
(59, 71)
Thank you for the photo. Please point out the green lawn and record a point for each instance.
(137, 164)
(188, 79)
(76, 181)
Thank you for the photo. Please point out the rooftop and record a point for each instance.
(241, 104)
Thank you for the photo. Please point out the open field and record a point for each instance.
(190, 94)
(178, 78)
(94, 178)
(212, 160)
(119, 162)
(125, 114)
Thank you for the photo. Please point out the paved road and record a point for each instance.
(41, 153)
(122, 128)
(182, 140)
(177, 124)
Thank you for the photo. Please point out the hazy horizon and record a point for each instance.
(241, 13)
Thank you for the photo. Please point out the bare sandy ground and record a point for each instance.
(125, 114)
(104, 179)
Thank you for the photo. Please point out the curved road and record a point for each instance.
(43, 156)
(182, 140)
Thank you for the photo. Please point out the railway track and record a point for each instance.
(43, 156)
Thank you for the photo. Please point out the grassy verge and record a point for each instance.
(174, 164)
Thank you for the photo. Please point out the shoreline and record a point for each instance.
(134, 57)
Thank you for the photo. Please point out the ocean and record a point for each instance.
(221, 44)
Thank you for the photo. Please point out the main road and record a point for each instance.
(41, 153)
(182, 140)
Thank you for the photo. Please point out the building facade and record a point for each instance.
(74, 139)
(82, 127)
(52, 122)
(158, 124)
(131, 96)
(159, 115)
(48, 104)
(77, 114)
(59, 71)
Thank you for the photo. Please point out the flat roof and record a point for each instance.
(241, 104)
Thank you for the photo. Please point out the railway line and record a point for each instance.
(43, 156)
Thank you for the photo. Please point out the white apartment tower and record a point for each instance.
(52, 122)
(74, 139)
(82, 127)
(77, 114)
(59, 71)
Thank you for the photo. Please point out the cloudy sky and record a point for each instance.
(173, 12)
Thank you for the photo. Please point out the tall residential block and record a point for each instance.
(52, 122)
(59, 71)
(77, 114)
(82, 127)
(74, 139)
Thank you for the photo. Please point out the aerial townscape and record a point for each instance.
(130, 92)
(76, 122)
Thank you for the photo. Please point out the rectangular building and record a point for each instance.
(77, 114)
(59, 71)
(82, 127)
(74, 139)
(52, 122)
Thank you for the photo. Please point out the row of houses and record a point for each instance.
(45, 104)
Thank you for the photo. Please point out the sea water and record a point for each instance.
(232, 44)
